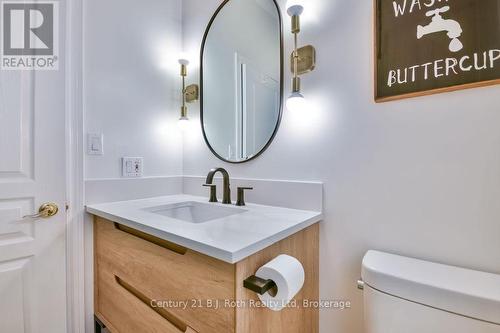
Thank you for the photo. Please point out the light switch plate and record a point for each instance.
(132, 167)
(95, 145)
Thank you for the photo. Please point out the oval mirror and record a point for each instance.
(242, 79)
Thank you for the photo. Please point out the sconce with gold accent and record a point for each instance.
(190, 94)
(303, 60)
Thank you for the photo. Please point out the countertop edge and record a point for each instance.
(259, 246)
(208, 250)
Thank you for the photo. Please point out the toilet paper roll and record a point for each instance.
(288, 274)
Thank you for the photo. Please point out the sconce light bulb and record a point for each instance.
(294, 7)
(296, 102)
(183, 59)
(183, 122)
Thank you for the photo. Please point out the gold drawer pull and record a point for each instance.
(179, 324)
(152, 239)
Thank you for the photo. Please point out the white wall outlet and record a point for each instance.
(95, 144)
(132, 167)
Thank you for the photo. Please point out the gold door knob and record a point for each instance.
(45, 211)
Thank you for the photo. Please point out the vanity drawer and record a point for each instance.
(162, 271)
(126, 310)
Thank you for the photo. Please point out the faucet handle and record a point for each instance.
(437, 11)
(213, 192)
(241, 195)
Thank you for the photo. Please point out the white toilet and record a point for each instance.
(404, 295)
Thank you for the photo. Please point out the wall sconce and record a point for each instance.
(303, 60)
(190, 93)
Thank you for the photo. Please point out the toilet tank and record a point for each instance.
(405, 295)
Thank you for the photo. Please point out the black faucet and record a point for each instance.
(225, 176)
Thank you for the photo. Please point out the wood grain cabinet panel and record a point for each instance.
(124, 312)
(165, 276)
(135, 274)
(296, 319)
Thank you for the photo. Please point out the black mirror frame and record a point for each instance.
(281, 85)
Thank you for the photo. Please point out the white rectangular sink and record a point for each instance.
(194, 212)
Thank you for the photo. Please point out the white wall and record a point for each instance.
(132, 84)
(419, 177)
(132, 96)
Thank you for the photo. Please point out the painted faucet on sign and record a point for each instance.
(439, 24)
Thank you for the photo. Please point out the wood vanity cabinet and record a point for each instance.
(135, 272)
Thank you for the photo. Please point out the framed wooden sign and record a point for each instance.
(430, 46)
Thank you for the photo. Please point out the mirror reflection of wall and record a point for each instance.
(242, 79)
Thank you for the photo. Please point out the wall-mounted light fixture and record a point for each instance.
(190, 93)
(303, 60)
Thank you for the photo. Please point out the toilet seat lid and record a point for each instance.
(462, 291)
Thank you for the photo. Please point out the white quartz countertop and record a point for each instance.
(231, 238)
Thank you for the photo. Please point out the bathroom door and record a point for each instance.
(32, 172)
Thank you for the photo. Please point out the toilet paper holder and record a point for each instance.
(259, 285)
